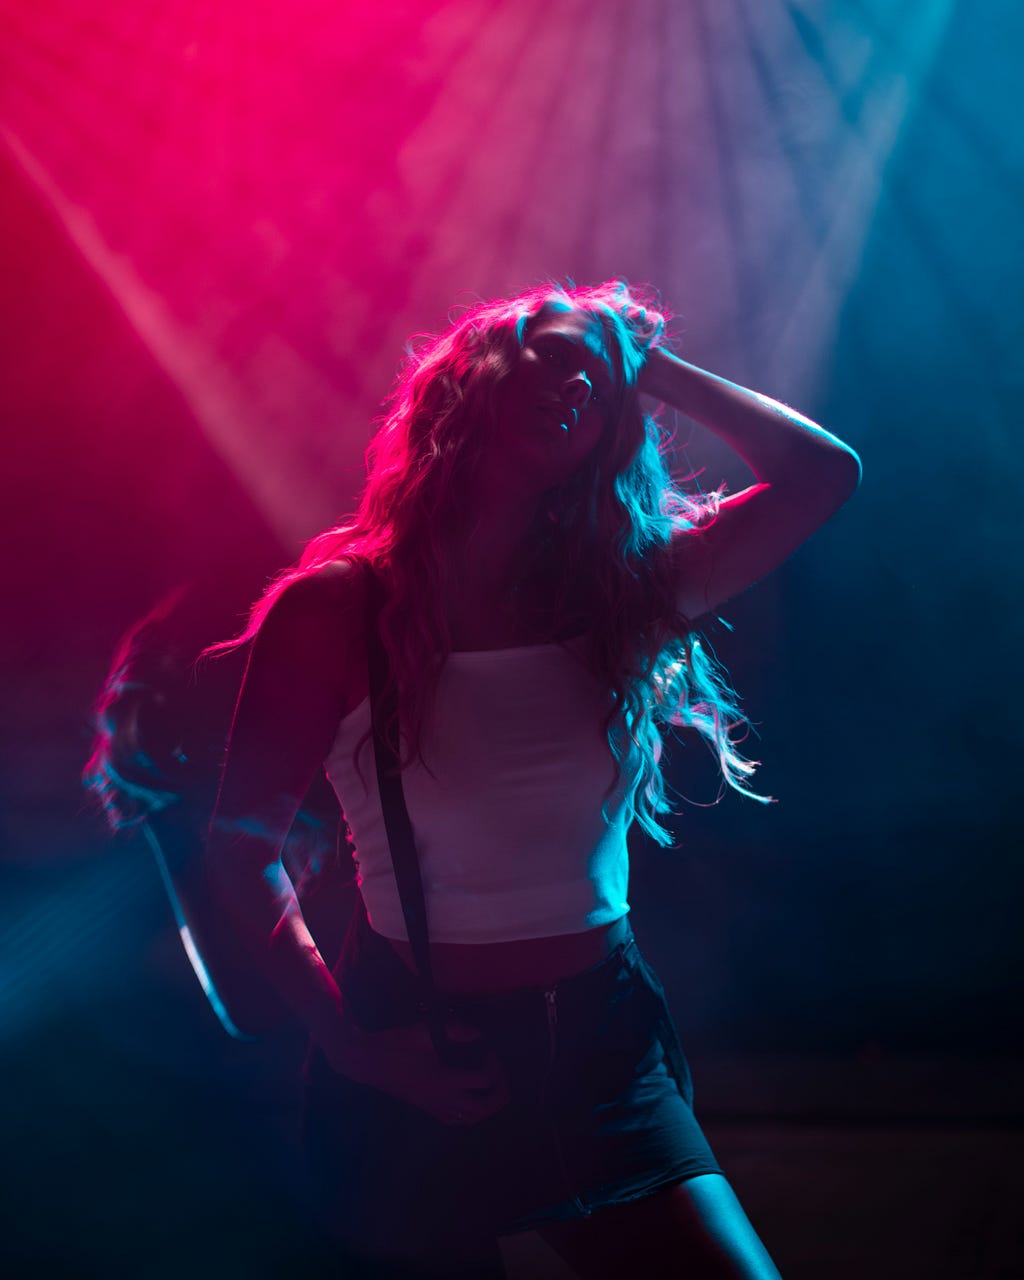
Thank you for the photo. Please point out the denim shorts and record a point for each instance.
(601, 1110)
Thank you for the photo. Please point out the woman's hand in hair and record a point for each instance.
(657, 377)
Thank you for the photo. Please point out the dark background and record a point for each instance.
(219, 229)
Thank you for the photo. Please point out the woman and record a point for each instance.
(539, 576)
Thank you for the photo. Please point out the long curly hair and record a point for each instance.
(599, 552)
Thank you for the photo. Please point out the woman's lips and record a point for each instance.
(565, 415)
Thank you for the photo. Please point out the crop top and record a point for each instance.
(508, 822)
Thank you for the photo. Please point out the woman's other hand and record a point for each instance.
(403, 1063)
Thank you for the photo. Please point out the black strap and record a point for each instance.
(384, 719)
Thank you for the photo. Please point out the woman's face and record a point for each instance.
(558, 399)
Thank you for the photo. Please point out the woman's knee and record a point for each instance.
(709, 1208)
(697, 1228)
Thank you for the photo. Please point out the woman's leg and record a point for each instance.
(695, 1228)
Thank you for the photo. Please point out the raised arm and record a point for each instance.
(295, 690)
(804, 475)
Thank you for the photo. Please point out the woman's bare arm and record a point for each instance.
(804, 475)
(295, 690)
(232, 977)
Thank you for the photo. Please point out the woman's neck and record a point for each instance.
(492, 549)
(524, 605)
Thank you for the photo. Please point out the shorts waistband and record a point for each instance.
(564, 988)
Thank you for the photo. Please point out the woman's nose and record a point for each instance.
(576, 391)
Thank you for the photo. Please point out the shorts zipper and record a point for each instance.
(551, 1005)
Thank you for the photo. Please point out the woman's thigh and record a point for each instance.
(695, 1228)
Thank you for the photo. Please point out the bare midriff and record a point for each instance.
(481, 968)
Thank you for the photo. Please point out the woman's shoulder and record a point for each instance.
(336, 584)
(313, 636)
(324, 606)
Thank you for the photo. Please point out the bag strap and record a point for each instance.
(397, 824)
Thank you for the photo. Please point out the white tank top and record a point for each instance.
(508, 821)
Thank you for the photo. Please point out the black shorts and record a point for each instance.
(601, 1110)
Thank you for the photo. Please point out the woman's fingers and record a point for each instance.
(468, 1095)
(461, 1031)
(402, 1061)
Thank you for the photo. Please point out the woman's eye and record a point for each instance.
(555, 356)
